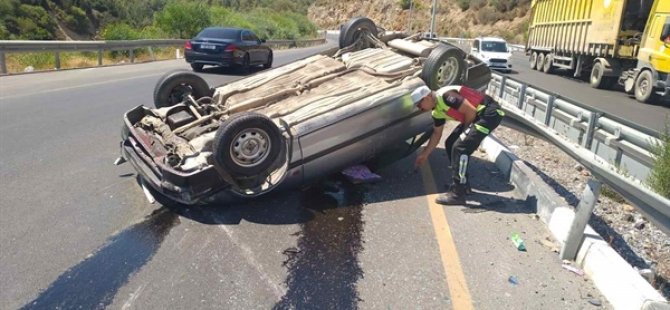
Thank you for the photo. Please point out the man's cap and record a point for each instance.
(420, 93)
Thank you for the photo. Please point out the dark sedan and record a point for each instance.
(228, 47)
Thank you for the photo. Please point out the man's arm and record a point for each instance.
(432, 143)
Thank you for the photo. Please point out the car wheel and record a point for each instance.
(247, 144)
(174, 86)
(533, 61)
(268, 64)
(197, 67)
(598, 80)
(353, 30)
(644, 87)
(246, 64)
(444, 66)
(548, 65)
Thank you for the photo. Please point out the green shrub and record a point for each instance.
(183, 20)
(405, 4)
(464, 4)
(78, 20)
(119, 31)
(659, 179)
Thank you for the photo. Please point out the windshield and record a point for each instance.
(492, 46)
(220, 33)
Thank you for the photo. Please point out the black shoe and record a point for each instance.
(468, 189)
(450, 199)
(455, 196)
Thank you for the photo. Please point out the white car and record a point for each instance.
(494, 52)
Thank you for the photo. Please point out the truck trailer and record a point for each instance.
(613, 41)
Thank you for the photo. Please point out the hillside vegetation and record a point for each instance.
(456, 18)
(134, 19)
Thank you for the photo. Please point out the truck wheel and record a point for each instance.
(644, 87)
(174, 86)
(548, 65)
(597, 79)
(533, 61)
(247, 144)
(540, 61)
(444, 66)
(352, 30)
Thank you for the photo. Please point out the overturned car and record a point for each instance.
(292, 124)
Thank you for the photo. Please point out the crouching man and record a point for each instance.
(478, 115)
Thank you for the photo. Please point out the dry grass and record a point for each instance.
(44, 61)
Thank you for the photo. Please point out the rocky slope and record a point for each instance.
(481, 18)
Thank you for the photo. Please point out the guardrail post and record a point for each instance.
(132, 55)
(3, 64)
(550, 109)
(591, 130)
(100, 52)
(582, 215)
(151, 53)
(503, 81)
(57, 60)
(522, 96)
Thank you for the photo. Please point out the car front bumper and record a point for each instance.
(186, 188)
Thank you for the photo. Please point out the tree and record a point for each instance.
(184, 20)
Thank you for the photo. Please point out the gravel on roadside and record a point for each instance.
(637, 240)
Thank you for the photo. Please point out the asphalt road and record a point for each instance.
(77, 232)
(614, 102)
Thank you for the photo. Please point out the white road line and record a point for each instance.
(80, 86)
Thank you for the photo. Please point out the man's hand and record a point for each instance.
(420, 160)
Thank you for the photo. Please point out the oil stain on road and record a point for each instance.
(323, 269)
(93, 283)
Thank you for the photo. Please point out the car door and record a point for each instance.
(259, 51)
(250, 46)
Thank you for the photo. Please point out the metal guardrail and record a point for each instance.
(615, 150)
(17, 46)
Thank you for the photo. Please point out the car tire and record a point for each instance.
(444, 66)
(533, 61)
(644, 87)
(268, 63)
(246, 63)
(353, 29)
(597, 78)
(174, 86)
(247, 144)
(548, 65)
(197, 67)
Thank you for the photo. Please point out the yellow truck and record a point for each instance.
(624, 41)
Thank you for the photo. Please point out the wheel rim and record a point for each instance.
(643, 86)
(447, 71)
(250, 147)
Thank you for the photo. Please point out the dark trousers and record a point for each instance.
(462, 141)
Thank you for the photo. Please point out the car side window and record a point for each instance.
(252, 37)
(246, 36)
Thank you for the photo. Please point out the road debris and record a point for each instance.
(513, 280)
(518, 242)
(595, 302)
(573, 269)
(360, 174)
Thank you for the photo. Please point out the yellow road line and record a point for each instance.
(458, 287)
